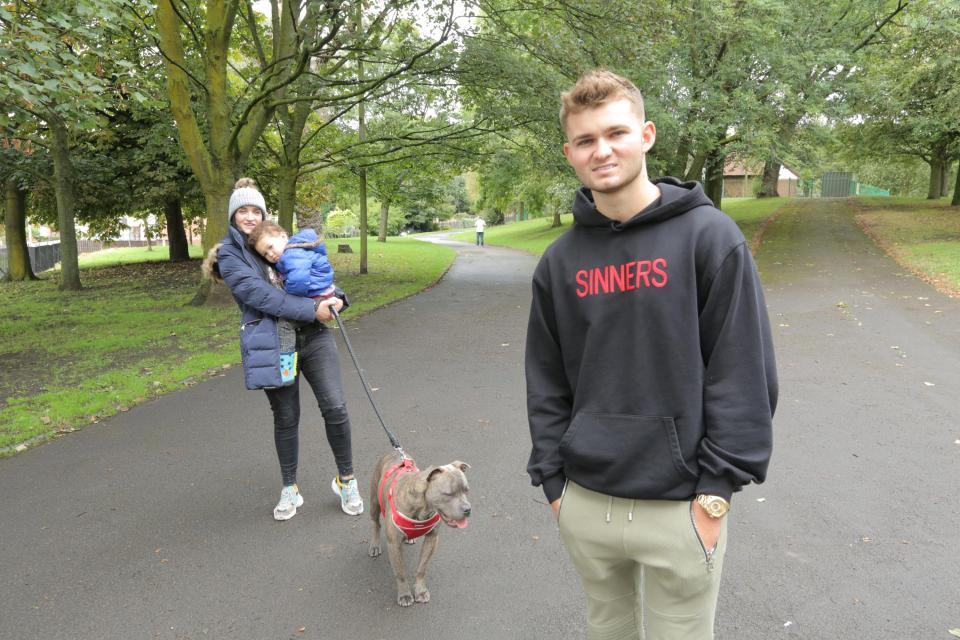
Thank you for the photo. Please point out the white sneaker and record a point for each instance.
(290, 499)
(349, 494)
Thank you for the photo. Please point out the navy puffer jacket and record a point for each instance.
(260, 305)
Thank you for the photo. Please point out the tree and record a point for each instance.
(51, 80)
(907, 100)
(13, 155)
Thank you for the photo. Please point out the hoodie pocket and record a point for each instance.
(627, 456)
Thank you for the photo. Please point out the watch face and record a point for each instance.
(716, 508)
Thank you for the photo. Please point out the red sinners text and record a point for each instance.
(612, 278)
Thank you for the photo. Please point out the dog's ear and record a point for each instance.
(463, 466)
(432, 471)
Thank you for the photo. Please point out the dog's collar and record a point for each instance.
(409, 527)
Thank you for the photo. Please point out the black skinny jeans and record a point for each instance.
(319, 363)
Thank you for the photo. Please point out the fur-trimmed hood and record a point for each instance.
(210, 267)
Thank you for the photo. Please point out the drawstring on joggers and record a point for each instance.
(633, 505)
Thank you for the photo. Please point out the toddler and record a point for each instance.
(305, 271)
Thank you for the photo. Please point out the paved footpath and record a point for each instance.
(156, 523)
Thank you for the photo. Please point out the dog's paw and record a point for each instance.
(421, 594)
(374, 551)
(404, 599)
(409, 541)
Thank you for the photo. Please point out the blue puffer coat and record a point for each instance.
(260, 305)
(306, 271)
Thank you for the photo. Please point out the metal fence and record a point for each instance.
(842, 184)
(46, 255)
(43, 256)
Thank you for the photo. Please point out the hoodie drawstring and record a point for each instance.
(633, 503)
(609, 508)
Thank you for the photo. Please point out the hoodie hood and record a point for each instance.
(676, 198)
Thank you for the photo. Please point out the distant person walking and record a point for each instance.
(480, 225)
(651, 381)
(258, 291)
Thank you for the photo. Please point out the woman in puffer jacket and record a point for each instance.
(257, 289)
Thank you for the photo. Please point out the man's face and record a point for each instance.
(271, 246)
(606, 145)
(247, 217)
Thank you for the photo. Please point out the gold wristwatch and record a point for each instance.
(715, 506)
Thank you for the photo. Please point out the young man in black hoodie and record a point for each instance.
(651, 381)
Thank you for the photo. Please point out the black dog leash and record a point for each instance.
(366, 387)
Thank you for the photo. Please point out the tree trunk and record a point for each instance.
(384, 213)
(176, 235)
(15, 224)
(713, 185)
(936, 178)
(363, 221)
(945, 180)
(771, 176)
(956, 191)
(556, 220)
(63, 172)
(217, 200)
(287, 190)
(678, 165)
(696, 167)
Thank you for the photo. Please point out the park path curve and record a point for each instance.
(156, 523)
(857, 533)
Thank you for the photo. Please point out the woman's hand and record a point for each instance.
(324, 314)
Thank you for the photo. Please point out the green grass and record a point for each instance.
(751, 213)
(71, 358)
(534, 236)
(922, 235)
(124, 255)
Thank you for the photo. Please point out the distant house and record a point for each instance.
(738, 180)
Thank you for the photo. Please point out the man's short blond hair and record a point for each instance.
(595, 88)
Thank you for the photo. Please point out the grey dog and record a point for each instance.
(419, 495)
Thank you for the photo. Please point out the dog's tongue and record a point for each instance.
(459, 524)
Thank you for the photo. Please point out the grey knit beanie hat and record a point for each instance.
(245, 193)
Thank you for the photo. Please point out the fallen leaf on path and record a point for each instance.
(374, 388)
(504, 344)
(787, 623)
(930, 384)
(20, 448)
(45, 420)
(535, 538)
(761, 499)
(301, 630)
(955, 632)
(956, 442)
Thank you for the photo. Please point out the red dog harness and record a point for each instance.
(409, 527)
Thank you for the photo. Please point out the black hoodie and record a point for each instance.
(649, 361)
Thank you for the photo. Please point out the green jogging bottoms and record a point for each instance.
(644, 569)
